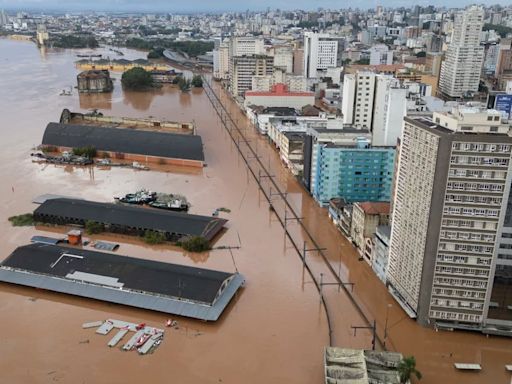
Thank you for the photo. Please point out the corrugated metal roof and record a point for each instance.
(118, 296)
(131, 216)
(164, 279)
(123, 140)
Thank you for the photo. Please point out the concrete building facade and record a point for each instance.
(452, 187)
(279, 96)
(380, 54)
(355, 173)
(243, 68)
(460, 71)
(320, 52)
(366, 217)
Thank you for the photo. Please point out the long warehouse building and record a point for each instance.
(170, 288)
(124, 219)
(127, 144)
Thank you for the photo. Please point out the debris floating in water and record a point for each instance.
(146, 339)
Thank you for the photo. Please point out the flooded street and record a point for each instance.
(275, 329)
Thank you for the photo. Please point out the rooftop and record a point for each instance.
(357, 366)
(133, 216)
(94, 74)
(279, 90)
(374, 208)
(120, 279)
(130, 141)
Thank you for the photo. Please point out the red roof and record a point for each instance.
(375, 208)
(278, 89)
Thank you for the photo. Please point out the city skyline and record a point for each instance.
(197, 6)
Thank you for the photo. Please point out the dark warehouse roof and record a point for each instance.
(133, 216)
(123, 140)
(169, 288)
(190, 283)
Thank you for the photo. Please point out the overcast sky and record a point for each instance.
(173, 6)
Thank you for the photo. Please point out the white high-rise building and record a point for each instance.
(460, 71)
(450, 202)
(390, 107)
(221, 61)
(244, 68)
(380, 54)
(358, 98)
(320, 52)
(283, 58)
(3, 18)
(245, 46)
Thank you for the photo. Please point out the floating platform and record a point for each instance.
(117, 338)
(468, 367)
(93, 324)
(169, 288)
(145, 337)
(105, 328)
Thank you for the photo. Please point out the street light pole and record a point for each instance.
(386, 327)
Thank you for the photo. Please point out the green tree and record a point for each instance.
(197, 81)
(421, 54)
(89, 152)
(407, 368)
(154, 237)
(73, 41)
(184, 84)
(362, 61)
(195, 244)
(156, 53)
(93, 227)
(137, 79)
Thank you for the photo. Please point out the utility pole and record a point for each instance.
(374, 331)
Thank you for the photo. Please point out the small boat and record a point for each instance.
(173, 205)
(140, 342)
(104, 162)
(140, 326)
(137, 165)
(138, 198)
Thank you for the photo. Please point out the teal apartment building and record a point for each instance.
(355, 173)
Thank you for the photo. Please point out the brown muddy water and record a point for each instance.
(273, 332)
(276, 328)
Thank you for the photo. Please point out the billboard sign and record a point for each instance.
(504, 104)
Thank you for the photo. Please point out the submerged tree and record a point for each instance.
(197, 81)
(407, 368)
(184, 84)
(137, 79)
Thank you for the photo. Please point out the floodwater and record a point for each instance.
(435, 352)
(273, 332)
(276, 328)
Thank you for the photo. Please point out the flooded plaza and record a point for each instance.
(275, 329)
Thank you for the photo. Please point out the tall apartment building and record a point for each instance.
(460, 71)
(221, 61)
(243, 68)
(320, 52)
(358, 97)
(380, 54)
(283, 58)
(245, 46)
(376, 102)
(3, 18)
(390, 107)
(503, 70)
(354, 171)
(450, 201)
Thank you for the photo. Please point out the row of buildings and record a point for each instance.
(442, 245)
(420, 184)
